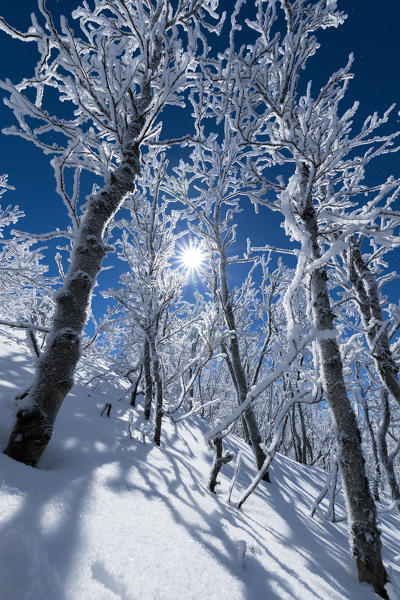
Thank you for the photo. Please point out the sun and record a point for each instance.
(192, 257)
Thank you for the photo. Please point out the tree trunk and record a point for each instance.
(367, 292)
(155, 361)
(135, 389)
(190, 375)
(245, 429)
(219, 460)
(332, 492)
(148, 381)
(270, 455)
(365, 541)
(295, 435)
(383, 450)
(378, 475)
(365, 407)
(237, 370)
(56, 366)
(330, 489)
(304, 440)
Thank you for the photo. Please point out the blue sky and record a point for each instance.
(371, 32)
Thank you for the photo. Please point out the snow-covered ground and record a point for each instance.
(106, 517)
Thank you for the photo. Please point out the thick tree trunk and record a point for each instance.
(365, 538)
(56, 366)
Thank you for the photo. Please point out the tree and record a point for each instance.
(260, 89)
(130, 59)
(25, 291)
(210, 187)
(388, 458)
(366, 289)
(150, 285)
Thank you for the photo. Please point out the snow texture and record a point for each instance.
(109, 517)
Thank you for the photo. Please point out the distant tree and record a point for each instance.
(117, 66)
(209, 186)
(151, 283)
(363, 275)
(25, 291)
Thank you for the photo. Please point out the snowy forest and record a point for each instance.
(170, 127)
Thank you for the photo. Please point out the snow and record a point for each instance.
(109, 517)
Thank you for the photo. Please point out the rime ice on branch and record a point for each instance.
(258, 87)
(119, 65)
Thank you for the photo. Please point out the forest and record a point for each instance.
(168, 125)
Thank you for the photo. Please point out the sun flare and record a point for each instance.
(192, 258)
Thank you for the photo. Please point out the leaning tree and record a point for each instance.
(113, 70)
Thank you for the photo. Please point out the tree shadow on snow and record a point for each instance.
(45, 532)
(42, 530)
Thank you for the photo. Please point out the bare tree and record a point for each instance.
(386, 457)
(151, 284)
(377, 328)
(210, 187)
(260, 89)
(128, 61)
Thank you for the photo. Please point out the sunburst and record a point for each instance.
(192, 257)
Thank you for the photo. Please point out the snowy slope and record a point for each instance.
(106, 517)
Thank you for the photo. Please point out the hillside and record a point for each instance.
(107, 517)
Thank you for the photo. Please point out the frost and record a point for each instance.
(327, 334)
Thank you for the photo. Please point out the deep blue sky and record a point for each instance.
(371, 32)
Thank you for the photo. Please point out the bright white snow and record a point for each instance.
(106, 517)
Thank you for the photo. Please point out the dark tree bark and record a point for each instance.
(366, 288)
(365, 538)
(245, 429)
(219, 460)
(237, 368)
(155, 362)
(295, 435)
(135, 389)
(387, 461)
(56, 366)
(304, 441)
(148, 380)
